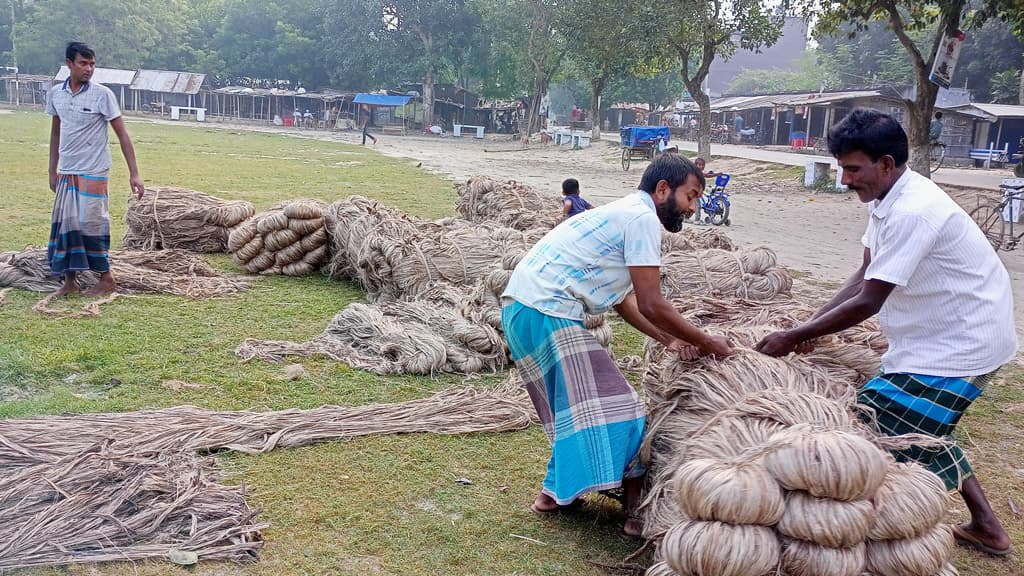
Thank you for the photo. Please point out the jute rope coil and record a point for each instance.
(169, 217)
(288, 239)
(175, 272)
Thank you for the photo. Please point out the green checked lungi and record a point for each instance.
(932, 405)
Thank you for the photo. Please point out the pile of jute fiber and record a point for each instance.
(175, 272)
(130, 486)
(288, 239)
(169, 217)
(509, 203)
(760, 466)
(751, 274)
(392, 255)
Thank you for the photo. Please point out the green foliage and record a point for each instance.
(655, 90)
(812, 73)
(1006, 86)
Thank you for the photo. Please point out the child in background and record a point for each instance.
(573, 204)
(700, 163)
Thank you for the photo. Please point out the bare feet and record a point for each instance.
(545, 504)
(991, 540)
(103, 287)
(634, 527)
(70, 286)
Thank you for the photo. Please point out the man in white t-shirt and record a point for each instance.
(600, 259)
(943, 299)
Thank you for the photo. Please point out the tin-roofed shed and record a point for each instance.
(163, 88)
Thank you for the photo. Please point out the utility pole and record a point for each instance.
(14, 56)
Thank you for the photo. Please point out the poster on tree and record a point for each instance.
(945, 59)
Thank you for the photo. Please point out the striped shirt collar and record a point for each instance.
(881, 208)
(67, 86)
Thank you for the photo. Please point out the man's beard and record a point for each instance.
(670, 215)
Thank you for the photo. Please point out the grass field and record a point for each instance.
(386, 505)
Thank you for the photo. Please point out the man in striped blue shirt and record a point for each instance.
(600, 259)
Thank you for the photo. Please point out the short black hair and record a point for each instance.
(874, 133)
(938, 115)
(75, 49)
(570, 186)
(672, 168)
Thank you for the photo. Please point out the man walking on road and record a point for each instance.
(79, 169)
(944, 301)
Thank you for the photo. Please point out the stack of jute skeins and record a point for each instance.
(288, 239)
(508, 203)
(848, 508)
(393, 256)
(168, 217)
(752, 274)
(806, 502)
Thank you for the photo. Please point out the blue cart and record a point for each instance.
(641, 142)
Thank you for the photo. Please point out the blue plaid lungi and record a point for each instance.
(919, 404)
(80, 226)
(593, 418)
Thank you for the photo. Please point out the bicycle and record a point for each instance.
(715, 204)
(936, 154)
(989, 218)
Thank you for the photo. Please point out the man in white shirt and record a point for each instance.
(944, 301)
(604, 258)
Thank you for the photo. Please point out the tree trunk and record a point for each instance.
(919, 117)
(704, 124)
(540, 86)
(596, 87)
(1020, 92)
(428, 99)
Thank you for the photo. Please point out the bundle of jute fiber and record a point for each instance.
(420, 336)
(908, 537)
(169, 217)
(105, 505)
(393, 256)
(783, 312)
(701, 548)
(108, 487)
(508, 203)
(752, 274)
(176, 272)
(695, 239)
(288, 239)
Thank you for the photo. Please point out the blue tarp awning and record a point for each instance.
(381, 100)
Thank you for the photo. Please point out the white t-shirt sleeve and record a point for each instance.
(902, 242)
(50, 108)
(642, 241)
(108, 106)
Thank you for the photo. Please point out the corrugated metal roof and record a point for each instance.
(168, 82)
(812, 99)
(106, 76)
(1000, 110)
